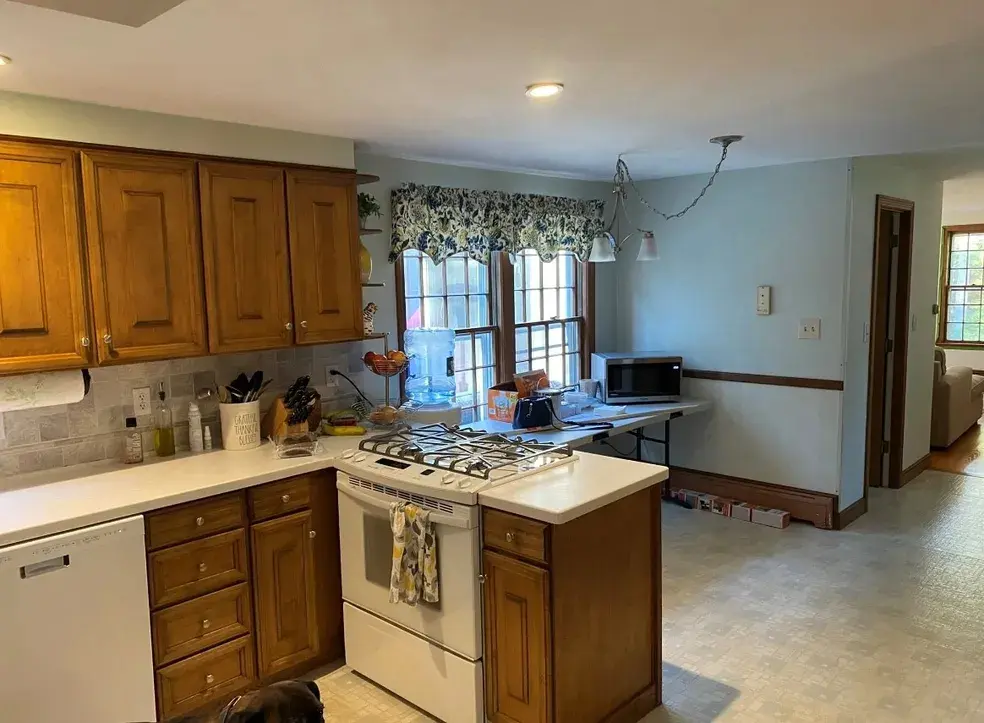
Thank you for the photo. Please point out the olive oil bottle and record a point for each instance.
(163, 426)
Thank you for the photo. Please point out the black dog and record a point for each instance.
(292, 701)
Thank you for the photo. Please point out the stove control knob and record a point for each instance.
(361, 457)
(348, 454)
(464, 482)
(448, 478)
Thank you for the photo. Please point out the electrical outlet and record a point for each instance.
(331, 380)
(763, 301)
(809, 329)
(141, 401)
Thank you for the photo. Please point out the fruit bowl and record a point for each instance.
(386, 365)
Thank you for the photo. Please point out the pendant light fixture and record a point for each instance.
(606, 245)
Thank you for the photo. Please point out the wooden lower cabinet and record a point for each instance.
(517, 640)
(284, 592)
(245, 590)
(572, 615)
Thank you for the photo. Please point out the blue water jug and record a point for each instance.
(430, 379)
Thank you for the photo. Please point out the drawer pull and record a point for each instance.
(285, 499)
(206, 624)
(199, 521)
(202, 567)
(209, 679)
(510, 537)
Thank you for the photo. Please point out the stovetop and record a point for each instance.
(448, 462)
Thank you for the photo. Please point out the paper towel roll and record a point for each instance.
(31, 391)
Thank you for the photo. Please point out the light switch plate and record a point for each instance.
(763, 301)
(809, 328)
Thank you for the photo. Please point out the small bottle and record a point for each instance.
(208, 438)
(164, 426)
(133, 449)
(195, 438)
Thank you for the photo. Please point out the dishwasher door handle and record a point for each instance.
(40, 568)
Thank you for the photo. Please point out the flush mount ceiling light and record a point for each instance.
(607, 244)
(544, 90)
(5, 60)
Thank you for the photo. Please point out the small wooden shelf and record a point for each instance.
(373, 285)
(363, 179)
(369, 231)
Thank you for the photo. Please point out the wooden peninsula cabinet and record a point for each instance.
(245, 589)
(42, 303)
(145, 257)
(572, 615)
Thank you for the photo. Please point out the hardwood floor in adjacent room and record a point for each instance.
(964, 456)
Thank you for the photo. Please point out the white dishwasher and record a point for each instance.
(75, 628)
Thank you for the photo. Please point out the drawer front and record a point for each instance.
(193, 626)
(516, 535)
(193, 521)
(195, 568)
(279, 498)
(206, 677)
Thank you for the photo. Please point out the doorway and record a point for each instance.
(888, 350)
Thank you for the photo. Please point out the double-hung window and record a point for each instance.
(962, 287)
(508, 317)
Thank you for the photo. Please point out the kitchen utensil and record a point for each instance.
(255, 382)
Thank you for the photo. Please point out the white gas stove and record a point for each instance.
(430, 654)
(447, 462)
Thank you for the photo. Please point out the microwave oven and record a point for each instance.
(637, 377)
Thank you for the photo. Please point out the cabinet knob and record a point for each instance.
(209, 679)
(206, 624)
(285, 499)
(304, 325)
(202, 567)
(108, 339)
(199, 521)
(510, 537)
(482, 579)
(312, 534)
(288, 326)
(85, 342)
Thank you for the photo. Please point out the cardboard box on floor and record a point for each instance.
(732, 508)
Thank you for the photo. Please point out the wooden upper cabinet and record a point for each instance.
(244, 230)
(145, 257)
(324, 256)
(284, 590)
(42, 303)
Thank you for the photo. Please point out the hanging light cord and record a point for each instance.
(622, 175)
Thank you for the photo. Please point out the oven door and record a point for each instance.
(455, 622)
(642, 380)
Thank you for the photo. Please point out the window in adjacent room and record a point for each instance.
(961, 316)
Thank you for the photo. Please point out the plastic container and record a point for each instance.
(196, 439)
(240, 425)
(134, 443)
(431, 376)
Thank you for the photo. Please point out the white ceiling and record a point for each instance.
(444, 79)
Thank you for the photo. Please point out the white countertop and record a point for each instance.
(69, 498)
(561, 494)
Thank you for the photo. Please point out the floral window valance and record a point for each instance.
(440, 221)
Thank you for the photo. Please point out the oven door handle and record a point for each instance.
(383, 503)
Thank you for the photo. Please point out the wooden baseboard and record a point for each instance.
(914, 470)
(805, 505)
(635, 709)
(853, 512)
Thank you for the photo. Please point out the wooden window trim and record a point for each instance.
(501, 277)
(944, 296)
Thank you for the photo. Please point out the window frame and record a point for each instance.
(944, 287)
(503, 328)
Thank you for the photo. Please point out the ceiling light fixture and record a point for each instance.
(607, 244)
(544, 90)
(5, 60)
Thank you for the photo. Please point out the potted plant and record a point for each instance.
(368, 207)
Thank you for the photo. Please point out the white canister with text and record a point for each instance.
(240, 425)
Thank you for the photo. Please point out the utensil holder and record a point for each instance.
(240, 425)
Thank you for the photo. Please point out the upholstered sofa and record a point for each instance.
(958, 401)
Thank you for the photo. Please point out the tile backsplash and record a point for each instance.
(93, 429)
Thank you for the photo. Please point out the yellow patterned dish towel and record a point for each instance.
(414, 573)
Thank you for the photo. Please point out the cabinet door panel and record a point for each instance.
(324, 256)
(42, 307)
(244, 229)
(517, 642)
(284, 592)
(145, 257)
